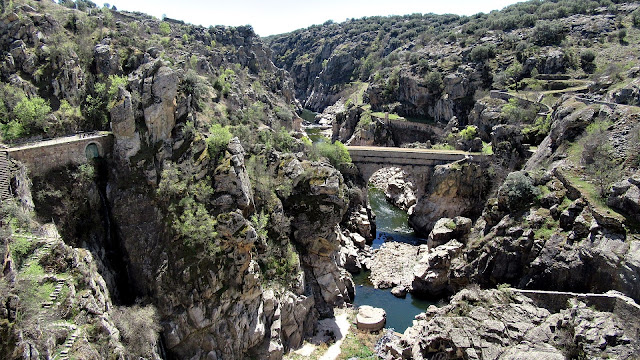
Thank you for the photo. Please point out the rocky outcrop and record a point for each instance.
(447, 229)
(123, 125)
(625, 196)
(499, 324)
(486, 114)
(455, 189)
(565, 243)
(420, 270)
(160, 87)
(398, 186)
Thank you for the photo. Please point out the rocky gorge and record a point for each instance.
(217, 229)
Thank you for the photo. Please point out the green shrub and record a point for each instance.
(336, 153)
(164, 28)
(587, 58)
(548, 33)
(115, 82)
(20, 248)
(469, 133)
(13, 130)
(482, 52)
(517, 191)
(515, 113)
(433, 82)
(195, 226)
(218, 139)
(597, 156)
(635, 17)
(32, 112)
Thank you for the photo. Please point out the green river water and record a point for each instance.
(391, 225)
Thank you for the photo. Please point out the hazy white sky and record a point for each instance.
(275, 17)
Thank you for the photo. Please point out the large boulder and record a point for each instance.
(370, 318)
(456, 189)
(448, 229)
(625, 196)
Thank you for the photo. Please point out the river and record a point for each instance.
(391, 225)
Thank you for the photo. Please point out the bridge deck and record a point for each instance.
(405, 156)
(60, 140)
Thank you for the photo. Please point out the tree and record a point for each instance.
(164, 28)
(32, 112)
(597, 157)
(433, 82)
(548, 33)
(587, 58)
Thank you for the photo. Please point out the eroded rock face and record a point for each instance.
(160, 88)
(317, 205)
(453, 190)
(498, 324)
(123, 125)
(398, 186)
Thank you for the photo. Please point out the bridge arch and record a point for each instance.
(93, 150)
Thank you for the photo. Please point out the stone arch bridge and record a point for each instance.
(42, 156)
(369, 159)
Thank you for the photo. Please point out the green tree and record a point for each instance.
(32, 112)
(548, 33)
(218, 139)
(433, 82)
(164, 28)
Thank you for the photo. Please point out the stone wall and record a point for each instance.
(43, 156)
(611, 301)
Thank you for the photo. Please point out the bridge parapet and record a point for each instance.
(43, 156)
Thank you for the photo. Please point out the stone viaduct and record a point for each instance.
(369, 159)
(42, 156)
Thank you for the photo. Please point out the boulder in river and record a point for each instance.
(370, 318)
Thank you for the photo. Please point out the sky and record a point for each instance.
(281, 16)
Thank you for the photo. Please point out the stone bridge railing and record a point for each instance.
(42, 156)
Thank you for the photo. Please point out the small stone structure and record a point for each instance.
(42, 156)
(370, 318)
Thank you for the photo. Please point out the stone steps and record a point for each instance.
(68, 344)
(5, 176)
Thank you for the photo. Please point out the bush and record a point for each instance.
(469, 133)
(548, 33)
(139, 329)
(433, 82)
(517, 191)
(218, 139)
(336, 153)
(31, 113)
(482, 53)
(587, 58)
(164, 29)
(635, 17)
(513, 112)
(597, 157)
